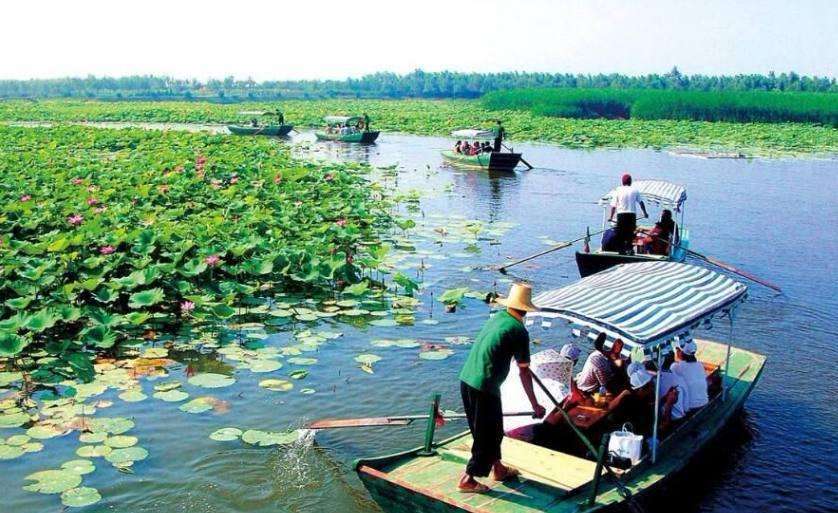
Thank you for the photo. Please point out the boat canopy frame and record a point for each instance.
(622, 300)
(272, 113)
(342, 120)
(473, 133)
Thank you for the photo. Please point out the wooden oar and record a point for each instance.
(557, 247)
(726, 266)
(397, 420)
(529, 166)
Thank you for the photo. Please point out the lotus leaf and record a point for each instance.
(146, 298)
(135, 453)
(80, 497)
(171, 396)
(226, 434)
(17, 440)
(277, 385)
(197, 405)
(367, 359)
(167, 385)
(13, 419)
(121, 441)
(8, 452)
(32, 447)
(265, 365)
(298, 360)
(80, 467)
(268, 438)
(211, 380)
(45, 431)
(93, 438)
(93, 451)
(298, 374)
(436, 354)
(52, 481)
(133, 395)
(112, 425)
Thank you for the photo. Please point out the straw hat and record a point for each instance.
(519, 298)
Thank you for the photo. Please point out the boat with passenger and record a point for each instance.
(348, 129)
(593, 461)
(473, 150)
(651, 243)
(270, 123)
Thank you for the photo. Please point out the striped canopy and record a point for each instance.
(341, 120)
(473, 133)
(665, 194)
(645, 304)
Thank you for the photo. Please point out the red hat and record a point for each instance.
(626, 179)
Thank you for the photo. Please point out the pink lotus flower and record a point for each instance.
(329, 177)
(92, 201)
(212, 260)
(25, 198)
(107, 250)
(234, 179)
(187, 306)
(75, 219)
(77, 181)
(341, 222)
(278, 178)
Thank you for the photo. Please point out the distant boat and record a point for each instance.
(275, 125)
(648, 306)
(490, 161)
(664, 194)
(348, 129)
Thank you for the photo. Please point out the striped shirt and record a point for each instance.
(597, 372)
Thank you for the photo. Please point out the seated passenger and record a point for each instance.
(600, 369)
(610, 241)
(692, 371)
(670, 381)
(457, 147)
(475, 148)
(466, 148)
(636, 405)
(487, 148)
(659, 238)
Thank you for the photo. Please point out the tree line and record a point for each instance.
(417, 84)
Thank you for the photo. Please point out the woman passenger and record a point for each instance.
(457, 147)
(660, 237)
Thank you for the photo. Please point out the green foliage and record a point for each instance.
(106, 230)
(427, 118)
(733, 106)
(453, 296)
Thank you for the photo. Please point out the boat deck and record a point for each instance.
(550, 481)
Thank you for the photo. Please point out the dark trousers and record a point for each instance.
(485, 421)
(626, 225)
(497, 144)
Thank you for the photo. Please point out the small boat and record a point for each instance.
(348, 129)
(665, 195)
(679, 297)
(492, 161)
(275, 127)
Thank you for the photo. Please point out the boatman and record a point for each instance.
(623, 203)
(500, 135)
(366, 122)
(502, 338)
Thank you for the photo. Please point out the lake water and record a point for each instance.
(770, 217)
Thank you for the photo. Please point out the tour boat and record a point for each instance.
(278, 128)
(665, 195)
(492, 161)
(348, 129)
(647, 305)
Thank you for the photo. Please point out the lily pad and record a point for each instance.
(298, 374)
(44, 432)
(93, 451)
(167, 385)
(226, 434)
(32, 447)
(268, 438)
(52, 481)
(9, 452)
(112, 425)
(80, 467)
(80, 497)
(171, 396)
(17, 440)
(197, 405)
(133, 395)
(92, 438)
(211, 380)
(301, 360)
(135, 453)
(277, 385)
(13, 419)
(265, 365)
(383, 323)
(436, 354)
(121, 441)
(367, 359)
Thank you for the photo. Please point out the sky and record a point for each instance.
(317, 39)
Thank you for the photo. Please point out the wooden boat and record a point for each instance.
(494, 161)
(425, 479)
(348, 129)
(665, 195)
(491, 161)
(277, 128)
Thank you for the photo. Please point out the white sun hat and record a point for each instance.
(639, 379)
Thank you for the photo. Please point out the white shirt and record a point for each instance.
(693, 374)
(669, 380)
(625, 199)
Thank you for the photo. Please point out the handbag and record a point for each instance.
(624, 444)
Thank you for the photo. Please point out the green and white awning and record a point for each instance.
(473, 133)
(645, 304)
(663, 193)
(341, 120)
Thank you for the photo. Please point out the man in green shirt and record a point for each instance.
(502, 338)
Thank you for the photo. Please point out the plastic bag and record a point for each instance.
(625, 444)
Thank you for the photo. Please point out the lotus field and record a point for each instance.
(440, 117)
